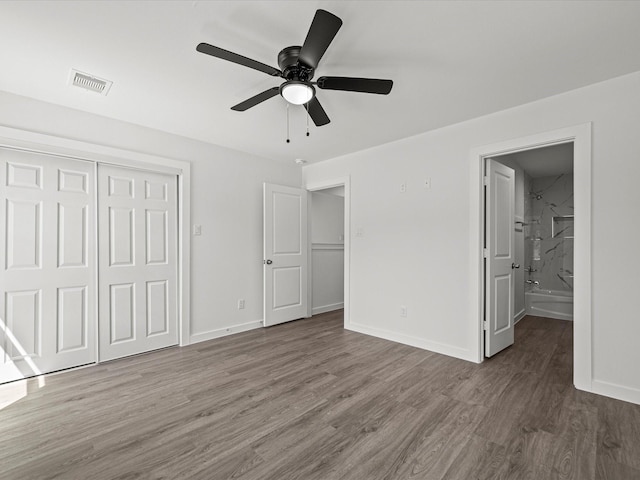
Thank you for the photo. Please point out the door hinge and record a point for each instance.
(485, 253)
(485, 181)
(485, 325)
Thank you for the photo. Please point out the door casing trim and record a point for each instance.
(580, 136)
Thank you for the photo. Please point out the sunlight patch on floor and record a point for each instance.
(14, 391)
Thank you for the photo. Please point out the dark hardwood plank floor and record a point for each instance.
(309, 400)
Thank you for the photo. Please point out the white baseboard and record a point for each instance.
(327, 308)
(443, 348)
(519, 316)
(222, 332)
(613, 390)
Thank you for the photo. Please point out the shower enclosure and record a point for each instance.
(549, 237)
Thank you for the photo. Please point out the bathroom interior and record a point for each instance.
(544, 231)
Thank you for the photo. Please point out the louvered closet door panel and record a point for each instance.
(137, 221)
(47, 286)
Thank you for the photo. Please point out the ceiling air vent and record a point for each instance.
(89, 82)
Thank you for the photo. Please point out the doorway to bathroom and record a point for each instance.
(491, 320)
(529, 235)
(544, 231)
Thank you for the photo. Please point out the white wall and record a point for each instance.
(415, 246)
(226, 199)
(339, 191)
(327, 252)
(327, 218)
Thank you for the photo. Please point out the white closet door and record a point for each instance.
(47, 285)
(285, 254)
(137, 225)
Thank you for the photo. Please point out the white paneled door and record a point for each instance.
(47, 281)
(137, 225)
(500, 257)
(285, 254)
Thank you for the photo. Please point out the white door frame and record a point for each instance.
(580, 135)
(75, 149)
(322, 185)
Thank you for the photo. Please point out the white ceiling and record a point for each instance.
(450, 61)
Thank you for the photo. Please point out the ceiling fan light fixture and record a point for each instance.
(296, 92)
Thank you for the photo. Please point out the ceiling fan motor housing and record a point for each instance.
(291, 68)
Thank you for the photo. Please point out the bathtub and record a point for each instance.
(549, 303)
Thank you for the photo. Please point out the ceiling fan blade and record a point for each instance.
(323, 29)
(253, 101)
(351, 84)
(317, 113)
(235, 58)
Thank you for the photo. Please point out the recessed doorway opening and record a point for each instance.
(529, 263)
(329, 244)
(580, 137)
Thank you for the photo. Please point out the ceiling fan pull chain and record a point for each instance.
(288, 141)
(306, 107)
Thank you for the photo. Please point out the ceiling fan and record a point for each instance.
(297, 66)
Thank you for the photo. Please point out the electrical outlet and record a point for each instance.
(241, 304)
(403, 187)
(197, 230)
(403, 311)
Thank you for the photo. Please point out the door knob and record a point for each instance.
(268, 262)
(515, 265)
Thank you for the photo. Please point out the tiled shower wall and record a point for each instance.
(549, 231)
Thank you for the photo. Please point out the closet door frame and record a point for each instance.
(75, 149)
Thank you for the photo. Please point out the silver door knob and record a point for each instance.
(515, 265)
(268, 262)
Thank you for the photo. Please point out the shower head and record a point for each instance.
(537, 196)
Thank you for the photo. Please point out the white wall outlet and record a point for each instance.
(403, 311)
(427, 183)
(403, 187)
(241, 304)
(359, 232)
(197, 230)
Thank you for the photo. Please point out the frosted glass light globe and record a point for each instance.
(297, 93)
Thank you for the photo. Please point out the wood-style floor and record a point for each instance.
(309, 400)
